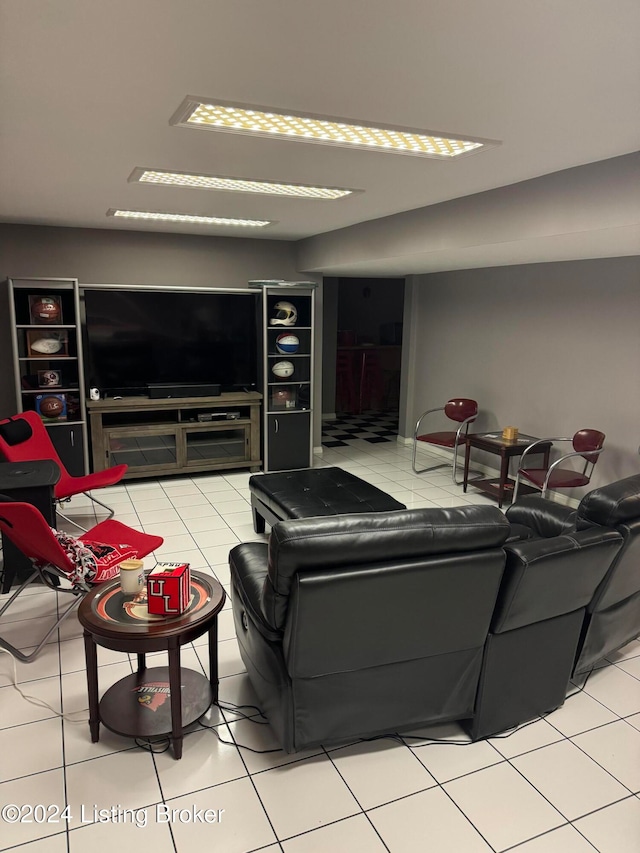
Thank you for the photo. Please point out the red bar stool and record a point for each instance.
(346, 397)
(371, 381)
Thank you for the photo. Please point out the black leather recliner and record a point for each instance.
(613, 614)
(536, 627)
(355, 625)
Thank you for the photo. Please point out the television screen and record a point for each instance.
(135, 338)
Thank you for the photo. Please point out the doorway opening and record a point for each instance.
(363, 400)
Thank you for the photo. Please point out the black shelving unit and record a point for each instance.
(48, 362)
(287, 374)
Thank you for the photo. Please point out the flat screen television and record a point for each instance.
(137, 338)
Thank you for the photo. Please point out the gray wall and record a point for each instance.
(135, 257)
(549, 348)
(364, 304)
(590, 211)
(130, 257)
(329, 344)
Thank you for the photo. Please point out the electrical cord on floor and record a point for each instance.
(507, 734)
(40, 703)
(148, 745)
(233, 743)
(165, 742)
(235, 709)
(584, 684)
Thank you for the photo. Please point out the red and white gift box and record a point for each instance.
(168, 589)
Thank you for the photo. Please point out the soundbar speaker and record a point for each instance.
(182, 389)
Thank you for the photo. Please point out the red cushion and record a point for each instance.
(108, 558)
(561, 478)
(114, 531)
(68, 486)
(444, 439)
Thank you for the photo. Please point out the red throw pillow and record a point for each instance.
(108, 558)
(93, 562)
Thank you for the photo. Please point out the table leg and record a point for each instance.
(91, 659)
(545, 458)
(176, 699)
(504, 475)
(142, 662)
(467, 454)
(213, 659)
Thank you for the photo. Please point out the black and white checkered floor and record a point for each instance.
(374, 427)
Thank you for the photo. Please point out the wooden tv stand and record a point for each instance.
(167, 437)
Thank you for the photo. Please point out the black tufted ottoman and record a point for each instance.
(311, 492)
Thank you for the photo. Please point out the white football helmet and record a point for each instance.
(286, 314)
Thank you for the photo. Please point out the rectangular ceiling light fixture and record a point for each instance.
(188, 218)
(240, 185)
(324, 130)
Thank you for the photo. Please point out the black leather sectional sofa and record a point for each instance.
(363, 624)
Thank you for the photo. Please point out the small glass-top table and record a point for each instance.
(493, 442)
(160, 701)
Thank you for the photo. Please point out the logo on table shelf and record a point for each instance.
(152, 694)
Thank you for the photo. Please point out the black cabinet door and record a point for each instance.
(288, 444)
(69, 442)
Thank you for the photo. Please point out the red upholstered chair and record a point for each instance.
(89, 560)
(460, 410)
(371, 384)
(346, 396)
(587, 443)
(24, 438)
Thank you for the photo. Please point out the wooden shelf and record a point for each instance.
(159, 437)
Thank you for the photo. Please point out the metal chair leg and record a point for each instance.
(71, 521)
(5, 644)
(110, 510)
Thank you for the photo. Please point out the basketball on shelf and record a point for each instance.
(46, 309)
(286, 314)
(283, 369)
(287, 344)
(51, 407)
(282, 397)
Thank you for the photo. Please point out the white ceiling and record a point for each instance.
(87, 90)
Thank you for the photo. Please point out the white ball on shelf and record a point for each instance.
(283, 369)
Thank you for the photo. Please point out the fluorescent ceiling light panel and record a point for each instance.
(241, 185)
(189, 218)
(279, 124)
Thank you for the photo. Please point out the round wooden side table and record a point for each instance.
(161, 700)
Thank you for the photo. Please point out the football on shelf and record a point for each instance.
(283, 369)
(47, 346)
(287, 344)
(45, 310)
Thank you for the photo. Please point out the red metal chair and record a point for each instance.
(346, 396)
(587, 443)
(371, 384)
(89, 560)
(24, 438)
(459, 409)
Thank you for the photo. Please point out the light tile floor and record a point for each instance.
(569, 783)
